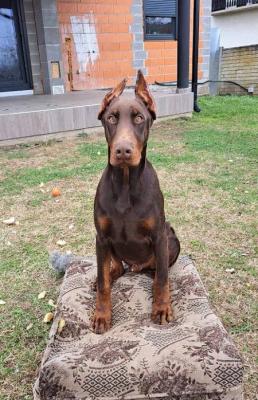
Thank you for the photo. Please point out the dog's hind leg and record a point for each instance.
(173, 244)
(117, 269)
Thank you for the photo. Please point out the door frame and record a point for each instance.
(23, 51)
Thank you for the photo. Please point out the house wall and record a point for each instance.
(237, 29)
(33, 46)
(102, 42)
(239, 64)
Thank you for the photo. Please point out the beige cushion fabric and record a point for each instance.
(191, 358)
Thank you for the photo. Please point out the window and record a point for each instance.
(160, 19)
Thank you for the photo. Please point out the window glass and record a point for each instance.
(159, 26)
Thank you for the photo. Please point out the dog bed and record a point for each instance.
(192, 358)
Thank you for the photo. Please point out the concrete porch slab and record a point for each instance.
(23, 117)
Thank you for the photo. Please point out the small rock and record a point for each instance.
(230, 270)
(71, 226)
(61, 242)
(10, 221)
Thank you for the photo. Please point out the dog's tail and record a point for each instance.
(61, 261)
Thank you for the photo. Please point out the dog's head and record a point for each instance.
(127, 122)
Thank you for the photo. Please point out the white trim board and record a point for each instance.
(16, 93)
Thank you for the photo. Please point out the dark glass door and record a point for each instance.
(14, 57)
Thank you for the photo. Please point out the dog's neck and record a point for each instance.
(126, 183)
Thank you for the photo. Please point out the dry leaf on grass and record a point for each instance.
(51, 303)
(48, 317)
(29, 326)
(61, 325)
(2, 302)
(42, 295)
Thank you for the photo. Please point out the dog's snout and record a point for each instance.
(124, 151)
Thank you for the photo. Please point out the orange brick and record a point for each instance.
(106, 9)
(128, 19)
(170, 44)
(122, 9)
(116, 19)
(149, 45)
(125, 46)
(70, 8)
(109, 46)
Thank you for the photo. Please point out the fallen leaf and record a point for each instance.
(42, 295)
(48, 317)
(61, 325)
(8, 243)
(10, 221)
(230, 270)
(51, 303)
(42, 191)
(2, 302)
(61, 242)
(29, 326)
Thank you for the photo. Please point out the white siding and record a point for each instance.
(237, 29)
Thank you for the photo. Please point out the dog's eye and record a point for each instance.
(112, 119)
(138, 119)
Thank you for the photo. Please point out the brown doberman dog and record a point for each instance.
(129, 206)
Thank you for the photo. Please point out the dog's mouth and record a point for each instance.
(124, 163)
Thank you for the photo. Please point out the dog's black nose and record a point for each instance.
(123, 152)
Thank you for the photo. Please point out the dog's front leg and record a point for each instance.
(161, 309)
(102, 317)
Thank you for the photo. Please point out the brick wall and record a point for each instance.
(33, 46)
(102, 42)
(239, 64)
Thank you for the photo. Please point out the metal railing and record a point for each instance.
(218, 5)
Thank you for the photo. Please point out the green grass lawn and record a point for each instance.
(207, 168)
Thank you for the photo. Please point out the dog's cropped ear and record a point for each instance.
(116, 92)
(142, 91)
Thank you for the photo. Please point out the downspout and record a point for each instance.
(183, 45)
(196, 22)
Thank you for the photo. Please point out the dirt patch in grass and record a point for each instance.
(207, 171)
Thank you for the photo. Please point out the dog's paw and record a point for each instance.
(101, 321)
(161, 313)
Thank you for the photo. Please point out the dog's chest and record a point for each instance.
(127, 228)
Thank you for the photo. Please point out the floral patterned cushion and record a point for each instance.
(191, 358)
